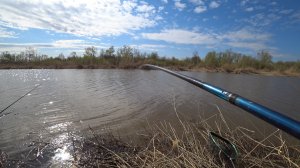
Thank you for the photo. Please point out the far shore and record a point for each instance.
(250, 71)
(127, 57)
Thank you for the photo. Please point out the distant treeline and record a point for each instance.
(128, 57)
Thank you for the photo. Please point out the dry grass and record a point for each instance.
(162, 146)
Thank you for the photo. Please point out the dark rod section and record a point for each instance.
(273, 117)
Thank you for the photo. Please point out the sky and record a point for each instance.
(173, 28)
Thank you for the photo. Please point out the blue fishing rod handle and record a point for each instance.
(275, 118)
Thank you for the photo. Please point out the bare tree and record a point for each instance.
(265, 59)
(90, 51)
(110, 52)
(73, 54)
(196, 58)
(61, 56)
(30, 53)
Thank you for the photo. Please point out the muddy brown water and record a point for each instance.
(70, 101)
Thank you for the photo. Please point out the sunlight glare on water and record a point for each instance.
(62, 155)
(63, 143)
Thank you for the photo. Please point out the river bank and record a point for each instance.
(252, 71)
(160, 145)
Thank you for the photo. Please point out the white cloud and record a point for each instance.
(197, 2)
(150, 47)
(244, 2)
(164, 1)
(180, 36)
(83, 18)
(71, 44)
(246, 34)
(59, 44)
(161, 8)
(262, 20)
(254, 46)
(24, 45)
(247, 39)
(158, 18)
(286, 12)
(295, 17)
(243, 38)
(146, 8)
(129, 5)
(200, 9)
(214, 4)
(4, 33)
(250, 9)
(180, 6)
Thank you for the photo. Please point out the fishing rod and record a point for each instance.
(273, 117)
(18, 100)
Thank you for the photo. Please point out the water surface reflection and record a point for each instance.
(70, 101)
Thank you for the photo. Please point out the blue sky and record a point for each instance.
(170, 27)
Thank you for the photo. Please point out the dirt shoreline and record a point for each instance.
(250, 71)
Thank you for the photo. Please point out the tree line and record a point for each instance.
(129, 57)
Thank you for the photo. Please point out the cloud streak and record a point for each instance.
(180, 36)
(243, 38)
(149, 47)
(59, 44)
(4, 33)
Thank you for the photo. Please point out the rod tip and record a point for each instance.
(145, 67)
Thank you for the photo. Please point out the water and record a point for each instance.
(71, 101)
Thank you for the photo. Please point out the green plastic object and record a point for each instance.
(224, 145)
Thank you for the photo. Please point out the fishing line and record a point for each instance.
(19, 99)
